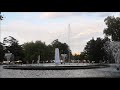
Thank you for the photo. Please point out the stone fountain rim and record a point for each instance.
(15, 67)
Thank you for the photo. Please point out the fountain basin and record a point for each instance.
(14, 67)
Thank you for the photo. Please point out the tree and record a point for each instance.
(28, 51)
(50, 52)
(95, 50)
(113, 27)
(32, 50)
(10, 41)
(108, 52)
(1, 44)
(83, 56)
(13, 46)
(76, 57)
(1, 52)
(90, 49)
(1, 17)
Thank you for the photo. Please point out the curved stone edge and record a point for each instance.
(54, 67)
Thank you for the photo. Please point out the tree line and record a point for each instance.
(30, 51)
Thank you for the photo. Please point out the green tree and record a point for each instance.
(108, 53)
(1, 52)
(83, 56)
(46, 52)
(95, 50)
(76, 57)
(13, 46)
(32, 50)
(1, 44)
(28, 51)
(113, 27)
(90, 49)
(51, 52)
(1, 17)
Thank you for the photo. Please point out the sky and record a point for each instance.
(48, 26)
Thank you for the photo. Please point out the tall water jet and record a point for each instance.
(38, 61)
(57, 56)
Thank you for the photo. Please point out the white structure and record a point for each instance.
(57, 56)
(8, 56)
(64, 57)
(38, 61)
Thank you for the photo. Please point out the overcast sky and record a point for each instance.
(48, 26)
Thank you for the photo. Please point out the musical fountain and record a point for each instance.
(57, 65)
(57, 56)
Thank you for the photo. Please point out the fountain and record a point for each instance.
(9, 56)
(113, 48)
(57, 56)
(38, 61)
(57, 65)
(64, 57)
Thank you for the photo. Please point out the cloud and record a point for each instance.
(28, 31)
(47, 15)
(106, 14)
(83, 28)
(57, 14)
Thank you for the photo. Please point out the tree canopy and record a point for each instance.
(1, 52)
(46, 52)
(12, 45)
(1, 17)
(95, 49)
(113, 27)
